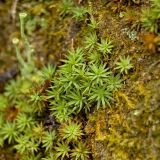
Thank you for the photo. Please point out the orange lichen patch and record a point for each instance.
(100, 128)
(142, 91)
(89, 128)
(38, 9)
(151, 41)
(10, 113)
(122, 96)
(112, 134)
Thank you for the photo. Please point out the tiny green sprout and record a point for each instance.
(76, 100)
(38, 132)
(81, 72)
(124, 64)
(150, 16)
(36, 97)
(48, 72)
(65, 7)
(155, 3)
(93, 24)
(61, 111)
(22, 144)
(71, 132)
(12, 90)
(95, 58)
(9, 132)
(26, 145)
(1, 125)
(25, 122)
(62, 150)
(68, 82)
(149, 20)
(114, 82)
(90, 41)
(3, 104)
(1, 121)
(105, 46)
(33, 146)
(38, 102)
(47, 140)
(98, 73)
(101, 96)
(23, 106)
(54, 93)
(73, 59)
(80, 152)
(79, 13)
(31, 157)
(50, 156)
(1, 142)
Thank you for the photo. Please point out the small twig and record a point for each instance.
(80, 1)
(72, 43)
(13, 9)
(153, 65)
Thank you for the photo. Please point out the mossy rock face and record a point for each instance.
(131, 129)
(126, 130)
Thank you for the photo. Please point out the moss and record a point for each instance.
(129, 127)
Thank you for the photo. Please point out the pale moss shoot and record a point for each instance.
(22, 17)
(15, 41)
(124, 65)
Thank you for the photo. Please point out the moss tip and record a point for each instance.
(15, 40)
(23, 15)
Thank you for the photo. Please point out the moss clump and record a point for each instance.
(44, 110)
